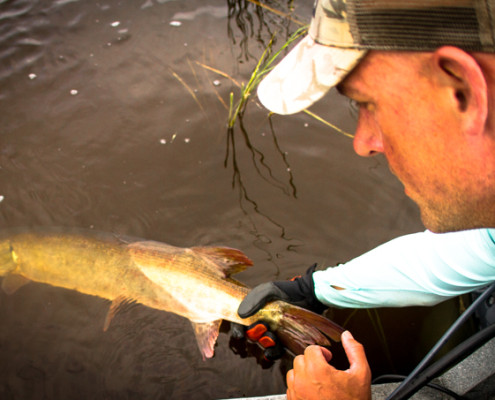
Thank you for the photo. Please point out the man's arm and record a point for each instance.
(418, 269)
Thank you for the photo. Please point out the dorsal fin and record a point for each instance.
(221, 261)
(226, 260)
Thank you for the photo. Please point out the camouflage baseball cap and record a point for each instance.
(342, 31)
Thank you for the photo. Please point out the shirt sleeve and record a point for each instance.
(418, 269)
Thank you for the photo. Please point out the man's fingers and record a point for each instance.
(316, 359)
(355, 353)
(318, 353)
(314, 378)
(353, 349)
(255, 331)
(260, 332)
(290, 378)
(326, 353)
(237, 331)
(257, 298)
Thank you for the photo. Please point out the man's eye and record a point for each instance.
(357, 106)
(354, 105)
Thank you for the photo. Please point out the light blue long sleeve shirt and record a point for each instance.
(418, 269)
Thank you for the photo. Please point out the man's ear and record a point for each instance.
(460, 72)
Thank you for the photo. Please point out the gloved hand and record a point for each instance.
(298, 291)
(258, 332)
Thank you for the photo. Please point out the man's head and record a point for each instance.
(424, 102)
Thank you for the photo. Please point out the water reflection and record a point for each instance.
(259, 160)
(260, 24)
(261, 21)
(264, 171)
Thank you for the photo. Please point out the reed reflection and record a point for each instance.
(260, 21)
(265, 24)
(249, 203)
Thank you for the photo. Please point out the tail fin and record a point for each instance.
(299, 328)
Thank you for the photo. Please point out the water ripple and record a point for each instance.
(10, 11)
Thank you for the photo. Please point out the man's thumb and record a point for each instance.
(354, 351)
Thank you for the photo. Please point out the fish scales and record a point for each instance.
(189, 272)
(81, 263)
(192, 282)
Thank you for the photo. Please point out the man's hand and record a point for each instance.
(298, 291)
(313, 378)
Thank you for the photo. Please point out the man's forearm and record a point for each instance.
(418, 269)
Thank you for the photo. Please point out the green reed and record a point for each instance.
(264, 65)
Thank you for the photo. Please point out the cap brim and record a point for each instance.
(305, 75)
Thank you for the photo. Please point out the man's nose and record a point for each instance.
(368, 136)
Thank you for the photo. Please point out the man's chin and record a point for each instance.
(443, 222)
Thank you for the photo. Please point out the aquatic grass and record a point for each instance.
(225, 75)
(263, 66)
(380, 332)
(376, 322)
(323, 121)
(231, 105)
(217, 71)
(261, 69)
(277, 12)
(188, 88)
(247, 89)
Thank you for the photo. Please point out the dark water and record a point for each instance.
(109, 120)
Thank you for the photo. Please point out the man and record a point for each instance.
(423, 75)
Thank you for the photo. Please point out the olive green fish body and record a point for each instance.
(94, 264)
(192, 282)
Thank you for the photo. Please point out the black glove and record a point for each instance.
(298, 291)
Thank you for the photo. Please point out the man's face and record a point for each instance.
(409, 116)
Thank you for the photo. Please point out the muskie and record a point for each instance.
(192, 282)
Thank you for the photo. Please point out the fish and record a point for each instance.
(194, 282)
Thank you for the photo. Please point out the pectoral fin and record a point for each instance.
(206, 335)
(116, 305)
(13, 282)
